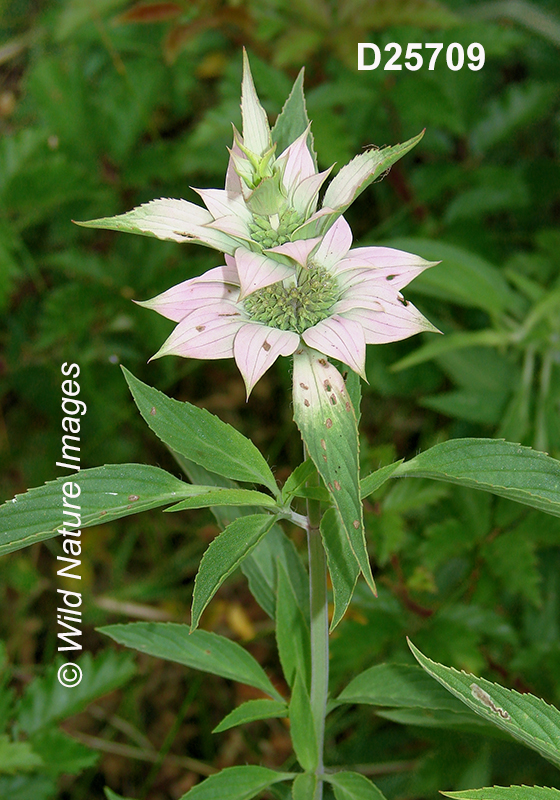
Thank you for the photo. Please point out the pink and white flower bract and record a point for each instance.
(333, 299)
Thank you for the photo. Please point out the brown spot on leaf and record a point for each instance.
(330, 487)
(348, 406)
(266, 346)
(201, 328)
(303, 386)
(323, 444)
(306, 403)
(333, 399)
(327, 386)
(323, 362)
(356, 523)
(153, 411)
(132, 498)
(324, 458)
(337, 486)
(328, 422)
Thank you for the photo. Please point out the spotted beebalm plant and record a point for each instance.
(291, 285)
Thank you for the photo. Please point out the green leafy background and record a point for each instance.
(107, 104)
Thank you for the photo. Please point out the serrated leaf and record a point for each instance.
(343, 567)
(18, 757)
(361, 171)
(200, 436)
(506, 793)
(292, 632)
(208, 496)
(524, 716)
(292, 120)
(45, 701)
(224, 555)
(260, 567)
(106, 493)
(302, 728)
(353, 786)
(171, 220)
(250, 711)
(326, 420)
(503, 468)
(201, 650)
(236, 783)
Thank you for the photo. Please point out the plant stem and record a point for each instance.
(319, 628)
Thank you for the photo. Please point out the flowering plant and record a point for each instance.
(291, 285)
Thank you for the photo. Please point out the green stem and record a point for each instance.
(319, 629)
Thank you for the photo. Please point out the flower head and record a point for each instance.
(333, 299)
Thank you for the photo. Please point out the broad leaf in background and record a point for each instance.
(200, 436)
(201, 650)
(292, 632)
(326, 420)
(462, 276)
(524, 716)
(45, 701)
(250, 711)
(353, 786)
(106, 493)
(506, 793)
(503, 468)
(398, 685)
(224, 555)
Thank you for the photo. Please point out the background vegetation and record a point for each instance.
(107, 104)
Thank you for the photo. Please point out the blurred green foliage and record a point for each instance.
(107, 104)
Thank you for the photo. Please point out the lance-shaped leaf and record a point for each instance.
(236, 783)
(353, 786)
(292, 120)
(256, 132)
(201, 436)
(106, 493)
(343, 566)
(201, 650)
(524, 716)
(250, 711)
(174, 220)
(209, 496)
(325, 417)
(506, 793)
(224, 555)
(361, 171)
(503, 468)
(302, 727)
(261, 566)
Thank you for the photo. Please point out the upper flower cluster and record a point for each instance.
(290, 277)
